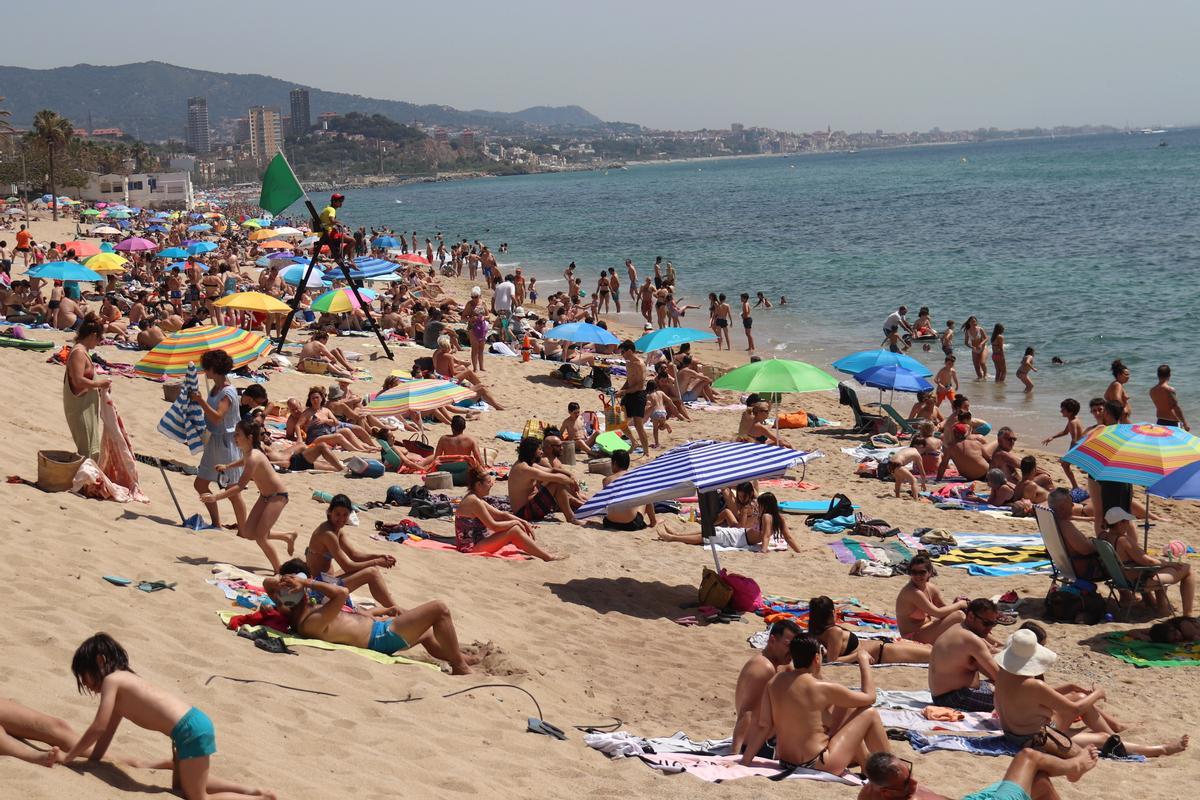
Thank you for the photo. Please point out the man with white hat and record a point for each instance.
(1026, 704)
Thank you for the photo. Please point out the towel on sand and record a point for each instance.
(979, 745)
(509, 551)
(899, 709)
(1151, 654)
(300, 641)
(718, 769)
(849, 550)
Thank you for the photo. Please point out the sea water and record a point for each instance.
(1085, 248)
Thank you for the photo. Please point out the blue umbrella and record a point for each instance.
(173, 252)
(64, 271)
(857, 362)
(180, 266)
(294, 274)
(201, 227)
(384, 241)
(671, 337)
(890, 376)
(1182, 484)
(199, 248)
(366, 267)
(157, 229)
(581, 333)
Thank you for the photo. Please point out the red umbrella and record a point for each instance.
(82, 249)
(414, 258)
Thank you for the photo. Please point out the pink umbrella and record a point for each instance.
(136, 244)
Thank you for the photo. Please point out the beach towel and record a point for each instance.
(184, 420)
(979, 745)
(1152, 654)
(849, 550)
(116, 453)
(990, 556)
(835, 525)
(972, 540)
(1006, 570)
(804, 506)
(300, 641)
(849, 611)
(509, 552)
(718, 769)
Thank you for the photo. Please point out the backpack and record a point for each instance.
(873, 527)
(746, 595)
(430, 509)
(839, 506)
(714, 591)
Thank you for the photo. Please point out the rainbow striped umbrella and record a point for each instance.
(174, 353)
(340, 301)
(1139, 454)
(419, 395)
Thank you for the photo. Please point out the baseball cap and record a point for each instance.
(1117, 514)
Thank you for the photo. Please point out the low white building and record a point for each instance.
(141, 190)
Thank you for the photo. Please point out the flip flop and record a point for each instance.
(155, 586)
(686, 621)
(535, 725)
(115, 581)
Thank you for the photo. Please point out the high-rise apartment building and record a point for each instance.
(266, 138)
(198, 138)
(301, 118)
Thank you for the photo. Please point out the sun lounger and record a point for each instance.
(1063, 571)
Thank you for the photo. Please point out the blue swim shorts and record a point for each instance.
(385, 640)
(193, 736)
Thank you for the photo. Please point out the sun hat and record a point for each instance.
(1117, 514)
(1024, 656)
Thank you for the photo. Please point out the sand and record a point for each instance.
(591, 637)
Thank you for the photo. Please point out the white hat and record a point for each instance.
(1117, 514)
(519, 312)
(647, 327)
(1024, 656)
(476, 291)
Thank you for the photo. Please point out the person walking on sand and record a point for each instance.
(81, 390)
(633, 394)
(747, 322)
(221, 414)
(1166, 402)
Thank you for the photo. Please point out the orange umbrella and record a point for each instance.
(82, 249)
(264, 233)
(274, 244)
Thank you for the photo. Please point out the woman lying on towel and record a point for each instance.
(480, 527)
(772, 526)
(843, 645)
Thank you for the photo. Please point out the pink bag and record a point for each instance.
(746, 594)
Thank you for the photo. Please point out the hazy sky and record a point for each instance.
(789, 64)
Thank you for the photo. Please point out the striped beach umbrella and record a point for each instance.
(174, 353)
(184, 420)
(419, 395)
(254, 301)
(1140, 454)
(690, 468)
(340, 301)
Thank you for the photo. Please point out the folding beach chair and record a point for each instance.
(907, 426)
(1147, 577)
(863, 422)
(1062, 571)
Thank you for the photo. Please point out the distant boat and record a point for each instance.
(1163, 143)
(399, 201)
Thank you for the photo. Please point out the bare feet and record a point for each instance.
(558, 557)
(52, 757)
(1176, 748)
(290, 537)
(1082, 762)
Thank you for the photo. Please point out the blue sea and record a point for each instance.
(1085, 248)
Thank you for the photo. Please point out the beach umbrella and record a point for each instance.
(157, 228)
(367, 267)
(263, 235)
(286, 232)
(1181, 484)
(173, 252)
(309, 241)
(87, 212)
(82, 249)
(64, 271)
(581, 333)
(890, 376)
(865, 359)
(413, 258)
(105, 230)
(419, 395)
(106, 262)
(274, 244)
(199, 228)
(776, 375)
(252, 223)
(107, 248)
(340, 301)
(180, 266)
(200, 248)
(1140, 454)
(110, 214)
(253, 301)
(14, 212)
(294, 274)
(173, 355)
(136, 244)
(666, 338)
(381, 242)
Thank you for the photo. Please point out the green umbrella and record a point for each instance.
(90, 212)
(777, 375)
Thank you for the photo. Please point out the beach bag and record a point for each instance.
(746, 595)
(796, 420)
(713, 590)
(365, 467)
(430, 509)
(878, 528)
(417, 447)
(1051, 741)
(533, 429)
(614, 412)
(839, 506)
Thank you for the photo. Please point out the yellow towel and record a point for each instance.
(300, 641)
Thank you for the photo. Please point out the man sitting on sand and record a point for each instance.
(756, 674)
(1033, 484)
(429, 624)
(1026, 703)
(629, 519)
(1027, 777)
(536, 491)
(958, 657)
(966, 451)
(818, 724)
(457, 445)
(1000, 453)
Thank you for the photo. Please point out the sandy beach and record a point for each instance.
(591, 638)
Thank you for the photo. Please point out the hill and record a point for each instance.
(149, 100)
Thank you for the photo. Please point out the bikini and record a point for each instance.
(819, 758)
(284, 495)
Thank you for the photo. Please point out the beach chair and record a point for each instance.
(1062, 571)
(1147, 577)
(907, 426)
(863, 422)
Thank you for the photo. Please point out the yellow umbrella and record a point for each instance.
(254, 301)
(264, 233)
(106, 262)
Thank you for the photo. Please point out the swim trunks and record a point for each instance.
(1000, 790)
(634, 404)
(1170, 423)
(385, 640)
(193, 736)
(721, 322)
(298, 463)
(729, 537)
(538, 506)
(659, 415)
(969, 698)
(637, 524)
(747, 322)
(1079, 494)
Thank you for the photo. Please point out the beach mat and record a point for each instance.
(300, 641)
(718, 769)
(804, 506)
(509, 552)
(849, 550)
(1152, 654)
(979, 745)
(990, 556)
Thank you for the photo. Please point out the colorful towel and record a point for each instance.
(509, 551)
(804, 506)
(968, 540)
(850, 550)
(979, 745)
(909, 720)
(1152, 654)
(300, 641)
(849, 611)
(990, 556)
(1006, 570)
(718, 769)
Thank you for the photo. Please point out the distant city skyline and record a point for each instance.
(670, 65)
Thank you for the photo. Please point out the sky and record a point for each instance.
(787, 64)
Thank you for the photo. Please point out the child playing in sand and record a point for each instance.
(255, 466)
(101, 666)
(900, 465)
(1026, 368)
(1069, 408)
(656, 403)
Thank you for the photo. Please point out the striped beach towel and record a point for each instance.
(184, 420)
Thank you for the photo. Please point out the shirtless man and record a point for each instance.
(1166, 402)
(150, 335)
(1027, 777)
(1000, 453)
(67, 314)
(966, 451)
(633, 394)
(900, 466)
(818, 724)
(959, 656)
(1025, 702)
(1034, 484)
(631, 270)
(721, 315)
(386, 631)
(756, 674)
(645, 300)
(456, 445)
(921, 613)
(747, 322)
(627, 519)
(316, 349)
(693, 383)
(536, 491)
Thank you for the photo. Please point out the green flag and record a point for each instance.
(280, 188)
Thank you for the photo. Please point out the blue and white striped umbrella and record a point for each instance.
(367, 267)
(691, 468)
(184, 420)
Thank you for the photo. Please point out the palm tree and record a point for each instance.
(52, 132)
(141, 156)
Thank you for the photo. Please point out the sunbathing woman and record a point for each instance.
(481, 528)
(338, 439)
(759, 431)
(329, 543)
(255, 466)
(450, 368)
(921, 613)
(842, 645)
(316, 421)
